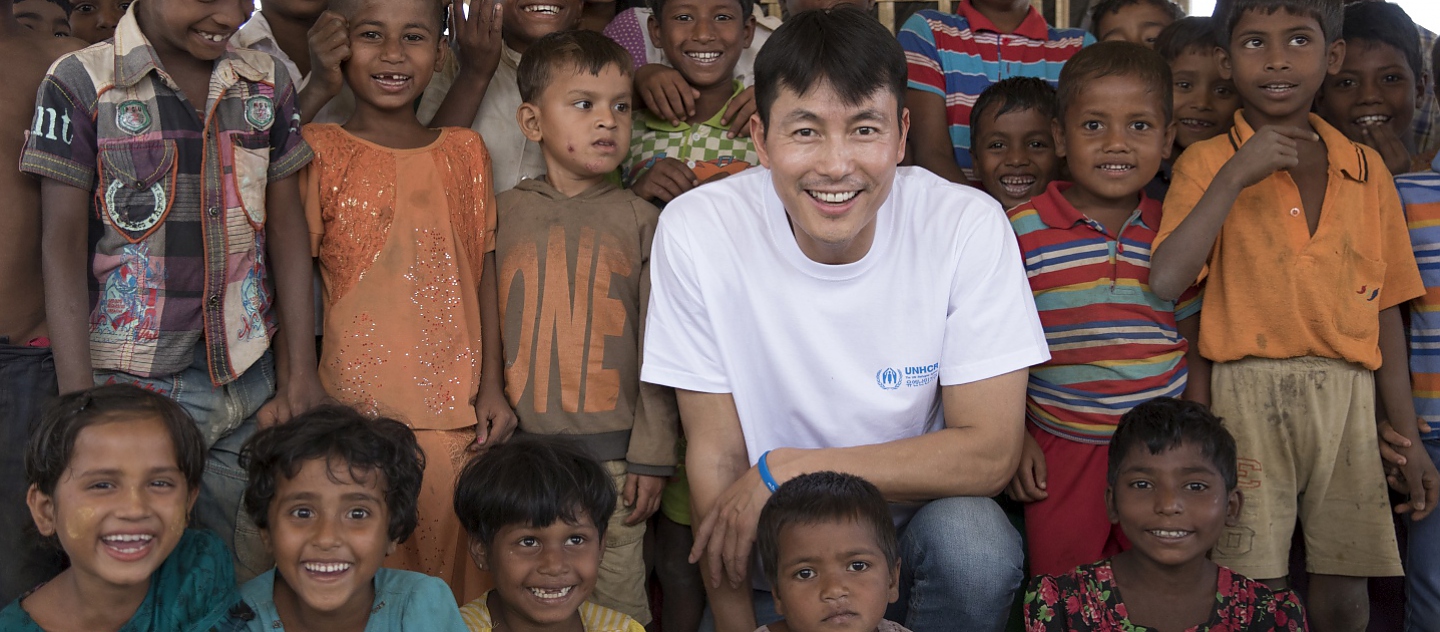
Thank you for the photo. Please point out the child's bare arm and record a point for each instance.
(1179, 259)
(494, 419)
(288, 246)
(665, 93)
(65, 258)
(480, 42)
(329, 42)
(1392, 381)
(1197, 383)
(930, 135)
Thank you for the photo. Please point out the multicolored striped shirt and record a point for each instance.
(177, 223)
(703, 147)
(959, 56)
(1113, 343)
(1420, 192)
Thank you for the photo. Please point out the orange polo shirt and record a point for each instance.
(1276, 291)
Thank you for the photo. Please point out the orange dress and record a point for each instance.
(401, 236)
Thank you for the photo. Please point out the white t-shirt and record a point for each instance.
(822, 356)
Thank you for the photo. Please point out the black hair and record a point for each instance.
(1012, 95)
(657, 7)
(843, 47)
(1329, 13)
(1165, 423)
(583, 51)
(53, 443)
(343, 437)
(1110, 59)
(1106, 7)
(1386, 23)
(440, 11)
(821, 497)
(532, 480)
(63, 4)
(1195, 33)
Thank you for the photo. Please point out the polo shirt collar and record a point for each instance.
(1033, 26)
(135, 57)
(1057, 212)
(1342, 153)
(661, 125)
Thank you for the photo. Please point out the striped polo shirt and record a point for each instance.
(1113, 343)
(1421, 194)
(958, 56)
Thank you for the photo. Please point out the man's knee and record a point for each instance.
(963, 535)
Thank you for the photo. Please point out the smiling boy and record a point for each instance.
(1014, 144)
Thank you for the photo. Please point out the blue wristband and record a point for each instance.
(765, 474)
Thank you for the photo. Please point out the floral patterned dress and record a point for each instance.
(1087, 598)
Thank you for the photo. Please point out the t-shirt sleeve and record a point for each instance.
(1189, 302)
(991, 327)
(288, 149)
(1188, 182)
(61, 142)
(922, 59)
(680, 346)
(1402, 274)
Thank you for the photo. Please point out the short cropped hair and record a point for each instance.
(1193, 34)
(64, 5)
(657, 7)
(582, 51)
(1165, 423)
(1386, 23)
(1329, 13)
(532, 480)
(1106, 7)
(53, 443)
(342, 437)
(1115, 59)
(1015, 94)
(822, 497)
(441, 12)
(843, 47)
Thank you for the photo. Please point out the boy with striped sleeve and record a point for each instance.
(1113, 343)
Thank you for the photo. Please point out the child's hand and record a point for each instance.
(1272, 148)
(665, 92)
(665, 180)
(294, 397)
(1384, 140)
(1028, 486)
(737, 114)
(642, 496)
(1421, 482)
(329, 43)
(478, 35)
(494, 420)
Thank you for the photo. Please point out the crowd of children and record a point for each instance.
(1230, 226)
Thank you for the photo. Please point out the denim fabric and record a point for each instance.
(1422, 566)
(225, 416)
(27, 383)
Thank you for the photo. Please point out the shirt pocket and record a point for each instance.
(248, 175)
(1357, 315)
(138, 185)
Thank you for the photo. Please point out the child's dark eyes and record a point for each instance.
(1346, 83)
(1299, 40)
(303, 513)
(858, 566)
(529, 542)
(1141, 126)
(1183, 85)
(1224, 91)
(102, 485)
(1196, 486)
(1036, 144)
(623, 108)
(576, 540)
(358, 514)
(584, 105)
(1091, 126)
(995, 145)
(414, 37)
(84, 8)
(1253, 42)
(1392, 78)
(683, 17)
(805, 573)
(370, 35)
(1140, 485)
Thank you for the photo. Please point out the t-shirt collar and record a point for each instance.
(1057, 212)
(1033, 26)
(1342, 153)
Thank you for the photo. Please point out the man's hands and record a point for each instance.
(494, 420)
(1272, 148)
(1028, 486)
(665, 92)
(665, 180)
(728, 531)
(1384, 140)
(642, 496)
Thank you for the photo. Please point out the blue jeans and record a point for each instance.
(1422, 566)
(225, 416)
(960, 567)
(27, 384)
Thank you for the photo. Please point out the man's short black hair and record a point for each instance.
(581, 51)
(1193, 34)
(1015, 94)
(532, 480)
(822, 497)
(342, 437)
(1166, 423)
(1329, 13)
(657, 7)
(843, 47)
(1106, 7)
(53, 443)
(1386, 23)
(1115, 59)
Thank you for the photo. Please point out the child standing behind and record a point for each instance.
(1113, 343)
(312, 43)
(1014, 142)
(402, 221)
(576, 87)
(1205, 102)
(94, 21)
(1299, 236)
(536, 510)
(704, 40)
(50, 17)
(1171, 487)
(1136, 21)
(954, 58)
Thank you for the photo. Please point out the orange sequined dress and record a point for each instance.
(401, 236)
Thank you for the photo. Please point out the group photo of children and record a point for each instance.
(719, 316)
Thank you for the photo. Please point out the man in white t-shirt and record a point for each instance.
(830, 312)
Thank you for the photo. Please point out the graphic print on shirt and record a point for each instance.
(555, 292)
(127, 309)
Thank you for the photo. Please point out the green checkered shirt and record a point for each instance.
(703, 147)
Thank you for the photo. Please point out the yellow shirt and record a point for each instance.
(595, 618)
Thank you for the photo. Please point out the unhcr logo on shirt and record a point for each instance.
(890, 378)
